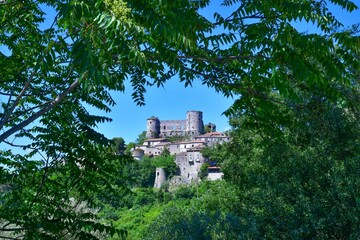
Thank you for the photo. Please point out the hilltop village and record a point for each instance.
(187, 153)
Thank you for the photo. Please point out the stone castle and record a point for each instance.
(187, 153)
(192, 126)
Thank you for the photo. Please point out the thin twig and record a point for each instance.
(35, 116)
(11, 110)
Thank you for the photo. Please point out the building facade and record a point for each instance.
(187, 154)
(192, 126)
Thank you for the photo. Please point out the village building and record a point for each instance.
(187, 154)
(189, 163)
(214, 173)
(191, 145)
(213, 138)
(153, 146)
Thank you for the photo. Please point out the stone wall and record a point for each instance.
(192, 126)
(170, 128)
(189, 164)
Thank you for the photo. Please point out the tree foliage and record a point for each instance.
(300, 183)
(204, 213)
(142, 173)
(261, 52)
(118, 145)
(56, 65)
(141, 138)
(294, 157)
(294, 149)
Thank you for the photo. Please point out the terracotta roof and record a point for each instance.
(212, 134)
(157, 140)
(194, 141)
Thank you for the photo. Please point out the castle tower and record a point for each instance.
(160, 177)
(210, 127)
(152, 127)
(194, 123)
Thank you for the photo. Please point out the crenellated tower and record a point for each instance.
(194, 123)
(152, 127)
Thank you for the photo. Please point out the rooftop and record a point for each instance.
(192, 141)
(212, 134)
(157, 140)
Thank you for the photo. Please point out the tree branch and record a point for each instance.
(25, 95)
(223, 59)
(28, 110)
(16, 145)
(11, 110)
(41, 112)
(248, 90)
(229, 19)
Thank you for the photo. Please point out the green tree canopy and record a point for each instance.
(298, 180)
(118, 145)
(52, 71)
(53, 67)
(141, 138)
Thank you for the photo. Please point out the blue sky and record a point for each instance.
(172, 101)
(168, 103)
